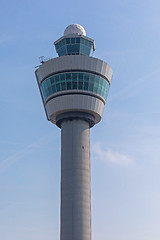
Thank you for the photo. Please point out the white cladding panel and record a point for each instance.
(74, 62)
(76, 102)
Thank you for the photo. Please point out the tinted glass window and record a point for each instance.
(62, 51)
(74, 76)
(82, 41)
(58, 87)
(52, 80)
(63, 86)
(68, 76)
(68, 85)
(57, 78)
(74, 46)
(77, 40)
(53, 88)
(80, 76)
(74, 85)
(67, 40)
(75, 80)
(73, 40)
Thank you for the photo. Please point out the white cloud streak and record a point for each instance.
(4, 164)
(126, 91)
(112, 157)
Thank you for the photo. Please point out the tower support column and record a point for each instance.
(75, 180)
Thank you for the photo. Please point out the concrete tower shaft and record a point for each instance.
(75, 180)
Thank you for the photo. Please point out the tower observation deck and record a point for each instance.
(74, 89)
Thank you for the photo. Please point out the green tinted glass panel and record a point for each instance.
(96, 84)
(46, 92)
(74, 46)
(80, 76)
(68, 77)
(86, 77)
(70, 48)
(62, 51)
(74, 76)
(97, 78)
(48, 82)
(91, 87)
(45, 84)
(67, 40)
(86, 84)
(57, 46)
(60, 44)
(77, 48)
(68, 85)
(92, 77)
(52, 80)
(50, 90)
(43, 92)
(57, 78)
(80, 81)
(101, 81)
(63, 42)
(105, 93)
(90, 44)
(42, 88)
(63, 85)
(53, 88)
(105, 84)
(103, 90)
(82, 40)
(77, 40)
(74, 85)
(80, 85)
(96, 90)
(58, 87)
(85, 42)
(81, 48)
(62, 77)
(73, 40)
(87, 50)
(99, 90)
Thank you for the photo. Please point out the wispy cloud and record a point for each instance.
(130, 89)
(4, 164)
(109, 156)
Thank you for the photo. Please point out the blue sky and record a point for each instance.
(125, 145)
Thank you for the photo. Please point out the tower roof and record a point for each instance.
(74, 29)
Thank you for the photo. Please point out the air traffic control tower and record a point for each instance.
(74, 88)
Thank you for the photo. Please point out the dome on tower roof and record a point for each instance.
(75, 29)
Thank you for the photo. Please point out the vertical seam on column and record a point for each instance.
(90, 182)
(72, 175)
(61, 191)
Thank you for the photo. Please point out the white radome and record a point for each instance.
(75, 29)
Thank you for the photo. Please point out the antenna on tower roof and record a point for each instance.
(42, 59)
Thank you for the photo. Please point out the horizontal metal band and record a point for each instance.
(74, 70)
(74, 93)
(75, 115)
